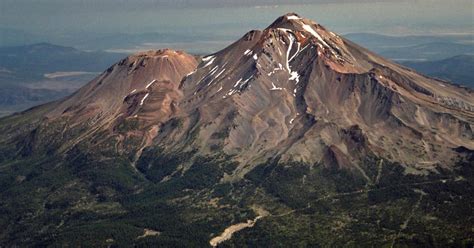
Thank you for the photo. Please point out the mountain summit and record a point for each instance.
(293, 132)
(296, 90)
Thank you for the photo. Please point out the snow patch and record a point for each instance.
(210, 59)
(216, 77)
(220, 73)
(231, 92)
(294, 76)
(255, 57)
(205, 59)
(143, 99)
(296, 53)
(191, 73)
(246, 81)
(290, 46)
(275, 88)
(293, 17)
(315, 34)
(213, 70)
(279, 68)
(304, 48)
(149, 84)
(238, 82)
(241, 83)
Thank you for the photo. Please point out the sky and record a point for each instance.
(69, 22)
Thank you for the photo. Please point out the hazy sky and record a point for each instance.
(54, 20)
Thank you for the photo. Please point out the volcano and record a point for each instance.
(291, 136)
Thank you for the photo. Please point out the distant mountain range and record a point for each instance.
(292, 136)
(380, 41)
(428, 51)
(458, 69)
(413, 48)
(34, 74)
(41, 58)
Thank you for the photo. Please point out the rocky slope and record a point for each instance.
(301, 92)
(291, 121)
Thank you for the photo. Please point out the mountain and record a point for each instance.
(442, 50)
(12, 37)
(379, 42)
(42, 72)
(455, 69)
(40, 58)
(422, 48)
(291, 136)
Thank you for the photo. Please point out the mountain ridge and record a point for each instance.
(271, 60)
(293, 130)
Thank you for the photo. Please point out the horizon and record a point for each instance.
(75, 23)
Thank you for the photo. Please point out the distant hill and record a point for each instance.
(429, 51)
(457, 69)
(37, 73)
(410, 48)
(379, 41)
(16, 37)
(41, 58)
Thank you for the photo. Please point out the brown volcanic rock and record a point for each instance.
(294, 90)
(126, 103)
(137, 75)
